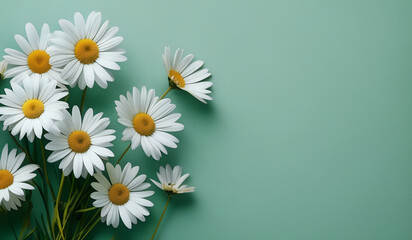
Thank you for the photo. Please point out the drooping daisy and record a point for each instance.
(32, 107)
(3, 68)
(171, 180)
(13, 179)
(148, 121)
(123, 195)
(187, 77)
(81, 143)
(85, 50)
(35, 58)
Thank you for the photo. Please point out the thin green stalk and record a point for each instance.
(26, 142)
(45, 202)
(85, 210)
(56, 208)
(125, 151)
(45, 170)
(83, 98)
(170, 88)
(161, 217)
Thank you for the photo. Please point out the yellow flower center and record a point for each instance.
(86, 51)
(6, 179)
(79, 141)
(119, 194)
(169, 187)
(177, 78)
(38, 61)
(33, 108)
(144, 124)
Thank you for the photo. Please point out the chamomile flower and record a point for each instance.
(31, 107)
(185, 75)
(81, 144)
(171, 180)
(123, 195)
(148, 121)
(14, 178)
(85, 50)
(3, 68)
(35, 58)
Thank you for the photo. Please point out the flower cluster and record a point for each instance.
(83, 54)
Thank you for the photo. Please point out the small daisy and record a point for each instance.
(187, 77)
(81, 144)
(85, 50)
(32, 107)
(34, 60)
(171, 180)
(123, 195)
(3, 68)
(13, 179)
(148, 121)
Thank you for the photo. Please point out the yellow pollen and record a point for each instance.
(86, 51)
(177, 78)
(144, 124)
(33, 108)
(38, 61)
(6, 179)
(119, 194)
(169, 187)
(79, 141)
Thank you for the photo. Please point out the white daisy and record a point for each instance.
(187, 77)
(123, 195)
(148, 121)
(81, 144)
(85, 50)
(32, 107)
(34, 60)
(171, 180)
(13, 179)
(3, 68)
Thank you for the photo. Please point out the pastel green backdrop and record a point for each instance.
(309, 133)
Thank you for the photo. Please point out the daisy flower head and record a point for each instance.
(81, 144)
(3, 68)
(185, 75)
(14, 178)
(122, 194)
(34, 58)
(86, 49)
(171, 180)
(148, 121)
(31, 107)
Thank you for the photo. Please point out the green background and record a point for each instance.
(309, 133)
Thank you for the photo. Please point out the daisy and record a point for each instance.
(85, 50)
(13, 179)
(81, 144)
(123, 195)
(32, 107)
(185, 75)
(171, 180)
(148, 121)
(34, 60)
(3, 68)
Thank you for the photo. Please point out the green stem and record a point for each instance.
(164, 94)
(85, 210)
(56, 208)
(45, 170)
(125, 151)
(161, 217)
(83, 97)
